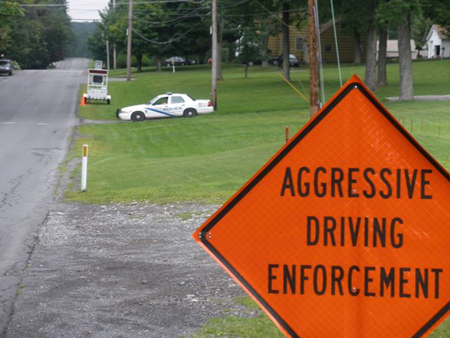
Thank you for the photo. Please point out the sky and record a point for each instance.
(86, 10)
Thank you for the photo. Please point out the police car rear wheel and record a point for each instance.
(190, 113)
(138, 116)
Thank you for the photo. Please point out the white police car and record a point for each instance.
(166, 105)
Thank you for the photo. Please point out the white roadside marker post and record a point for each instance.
(84, 168)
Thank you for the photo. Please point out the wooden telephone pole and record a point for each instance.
(313, 60)
(129, 33)
(114, 44)
(107, 53)
(214, 57)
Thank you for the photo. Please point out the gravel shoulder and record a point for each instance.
(121, 271)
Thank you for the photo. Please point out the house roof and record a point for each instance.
(327, 25)
(441, 31)
(392, 45)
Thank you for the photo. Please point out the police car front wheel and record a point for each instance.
(138, 116)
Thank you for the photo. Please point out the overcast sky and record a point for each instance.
(86, 10)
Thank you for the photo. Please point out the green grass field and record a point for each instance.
(207, 158)
(262, 91)
(260, 326)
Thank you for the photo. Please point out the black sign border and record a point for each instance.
(296, 140)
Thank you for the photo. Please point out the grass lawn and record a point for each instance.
(201, 159)
(260, 326)
(231, 326)
(207, 158)
(263, 91)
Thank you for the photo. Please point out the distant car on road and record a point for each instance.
(178, 61)
(166, 105)
(6, 67)
(278, 61)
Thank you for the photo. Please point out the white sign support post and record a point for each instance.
(84, 168)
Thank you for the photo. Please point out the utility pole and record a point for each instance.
(114, 44)
(313, 61)
(129, 33)
(107, 53)
(214, 60)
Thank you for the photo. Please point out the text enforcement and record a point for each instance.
(335, 280)
(337, 182)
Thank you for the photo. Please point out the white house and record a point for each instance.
(438, 42)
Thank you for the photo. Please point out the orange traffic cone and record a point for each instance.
(83, 101)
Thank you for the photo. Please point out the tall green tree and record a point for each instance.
(438, 11)
(289, 18)
(358, 17)
(8, 11)
(247, 33)
(160, 29)
(382, 56)
(398, 13)
(39, 36)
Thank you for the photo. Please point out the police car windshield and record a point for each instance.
(153, 100)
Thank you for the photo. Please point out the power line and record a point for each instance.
(180, 19)
(303, 10)
(121, 3)
(168, 41)
(235, 4)
(268, 11)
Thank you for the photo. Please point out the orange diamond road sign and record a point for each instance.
(345, 232)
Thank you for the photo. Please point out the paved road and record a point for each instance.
(37, 113)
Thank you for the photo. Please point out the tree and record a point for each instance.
(35, 36)
(248, 33)
(264, 39)
(382, 52)
(8, 10)
(285, 6)
(371, 57)
(438, 11)
(353, 16)
(357, 17)
(398, 13)
(248, 45)
(190, 29)
(57, 32)
(96, 44)
(114, 25)
(286, 41)
(405, 61)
